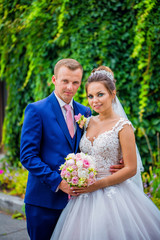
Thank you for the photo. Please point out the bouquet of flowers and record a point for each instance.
(78, 170)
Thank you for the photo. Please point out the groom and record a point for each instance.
(46, 140)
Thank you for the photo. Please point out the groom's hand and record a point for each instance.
(117, 167)
(66, 188)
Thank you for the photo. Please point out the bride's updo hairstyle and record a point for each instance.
(104, 75)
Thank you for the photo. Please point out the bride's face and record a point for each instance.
(99, 97)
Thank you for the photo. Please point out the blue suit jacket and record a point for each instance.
(45, 142)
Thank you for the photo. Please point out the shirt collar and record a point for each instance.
(62, 103)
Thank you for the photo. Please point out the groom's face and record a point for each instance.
(67, 83)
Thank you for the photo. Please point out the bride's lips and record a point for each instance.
(97, 106)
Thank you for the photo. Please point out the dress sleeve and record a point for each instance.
(122, 123)
(137, 178)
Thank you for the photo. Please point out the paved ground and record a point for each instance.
(12, 229)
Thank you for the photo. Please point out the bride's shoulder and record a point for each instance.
(123, 123)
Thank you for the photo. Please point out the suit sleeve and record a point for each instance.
(30, 150)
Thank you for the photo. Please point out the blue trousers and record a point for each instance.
(41, 221)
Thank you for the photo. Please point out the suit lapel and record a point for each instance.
(79, 130)
(60, 118)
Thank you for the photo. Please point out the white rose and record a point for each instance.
(79, 164)
(82, 173)
(70, 162)
(83, 155)
(71, 156)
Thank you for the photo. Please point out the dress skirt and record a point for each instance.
(119, 212)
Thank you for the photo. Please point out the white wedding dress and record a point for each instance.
(119, 212)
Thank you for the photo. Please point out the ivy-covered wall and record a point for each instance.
(123, 35)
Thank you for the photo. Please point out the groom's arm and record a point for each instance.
(30, 150)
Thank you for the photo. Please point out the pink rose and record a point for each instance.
(63, 173)
(81, 124)
(91, 175)
(64, 167)
(74, 173)
(67, 174)
(75, 180)
(1, 171)
(77, 117)
(86, 163)
(74, 167)
(69, 180)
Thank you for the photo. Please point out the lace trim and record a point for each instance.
(87, 122)
(118, 126)
(106, 148)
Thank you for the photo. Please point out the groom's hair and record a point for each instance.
(70, 63)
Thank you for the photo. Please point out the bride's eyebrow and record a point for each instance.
(101, 91)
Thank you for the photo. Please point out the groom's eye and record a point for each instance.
(65, 81)
(76, 83)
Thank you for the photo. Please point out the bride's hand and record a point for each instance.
(64, 186)
(86, 189)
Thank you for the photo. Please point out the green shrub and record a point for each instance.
(13, 181)
(151, 182)
(123, 35)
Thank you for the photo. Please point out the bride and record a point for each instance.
(114, 207)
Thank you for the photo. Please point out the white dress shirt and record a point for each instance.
(62, 104)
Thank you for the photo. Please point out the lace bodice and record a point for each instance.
(105, 148)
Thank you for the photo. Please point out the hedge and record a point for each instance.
(123, 35)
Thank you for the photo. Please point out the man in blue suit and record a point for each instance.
(45, 142)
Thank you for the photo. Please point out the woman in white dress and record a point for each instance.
(114, 207)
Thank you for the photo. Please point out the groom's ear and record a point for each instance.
(53, 79)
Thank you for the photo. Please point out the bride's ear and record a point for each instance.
(113, 94)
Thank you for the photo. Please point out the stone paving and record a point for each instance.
(11, 229)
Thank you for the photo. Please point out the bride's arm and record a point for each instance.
(127, 142)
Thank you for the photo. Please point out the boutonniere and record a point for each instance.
(81, 120)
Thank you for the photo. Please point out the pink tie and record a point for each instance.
(69, 119)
